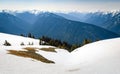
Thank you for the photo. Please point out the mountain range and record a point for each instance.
(52, 25)
(12, 24)
(107, 20)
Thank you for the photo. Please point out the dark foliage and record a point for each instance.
(30, 43)
(22, 44)
(60, 44)
(44, 40)
(22, 35)
(86, 41)
(7, 43)
(28, 35)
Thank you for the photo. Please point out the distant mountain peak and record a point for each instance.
(49, 14)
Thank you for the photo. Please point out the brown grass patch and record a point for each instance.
(30, 53)
(33, 49)
(30, 49)
(50, 49)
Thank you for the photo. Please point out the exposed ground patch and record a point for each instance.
(30, 53)
(50, 49)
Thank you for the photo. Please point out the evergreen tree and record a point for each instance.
(33, 36)
(40, 41)
(7, 43)
(86, 41)
(21, 35)
(22, 44)
(29, 43)
(30, 35)
(55, 42)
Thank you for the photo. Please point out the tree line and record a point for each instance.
(44, 40)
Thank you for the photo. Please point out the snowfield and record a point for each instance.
(101, 57)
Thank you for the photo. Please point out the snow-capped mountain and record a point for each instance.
(52, 25)
(107, 20)
(27, 16)
(73, 32)
(113, 24)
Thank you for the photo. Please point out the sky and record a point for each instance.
(61, 5)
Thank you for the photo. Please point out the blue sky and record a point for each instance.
(61, 5)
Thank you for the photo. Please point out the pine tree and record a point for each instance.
(21, 35)
(7, 43)
(29, 43)
(40, 41)
(33, 36)
(74, 46)
(22, 44)
(30, 35)
(86, 41)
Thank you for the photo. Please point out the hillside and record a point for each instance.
(100, 57)
(27, 16)
(52, 25)
(107, 20)
(13, 25)
(57, 27)
(113, 24)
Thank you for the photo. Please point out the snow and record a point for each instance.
(101, 57)
(16, 40)
(59, 58)
(11, 64)
(97, 50)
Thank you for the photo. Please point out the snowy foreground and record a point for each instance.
(102, 57)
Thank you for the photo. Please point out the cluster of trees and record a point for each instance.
(22, 44)
(44, 40)
(28, 35)
(61, 44)
(54, 42)
(6, 43)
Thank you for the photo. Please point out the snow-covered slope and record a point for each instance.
(16, 40)
(11, 64)
(102, 57)
(98, 50)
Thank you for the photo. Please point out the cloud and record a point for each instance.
(61, 5)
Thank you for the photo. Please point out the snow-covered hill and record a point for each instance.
(16, 40)
(102, 57)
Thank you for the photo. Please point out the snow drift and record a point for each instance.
(97, 51)
(102, 57)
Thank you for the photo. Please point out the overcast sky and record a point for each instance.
(61, 5)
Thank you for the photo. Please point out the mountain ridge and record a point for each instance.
(11, 24)
(61, 28)
(58, 27)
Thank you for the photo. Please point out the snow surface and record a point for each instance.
(16, 40)
(102, 57)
